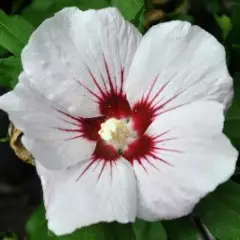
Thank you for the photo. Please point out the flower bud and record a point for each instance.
(17, 146)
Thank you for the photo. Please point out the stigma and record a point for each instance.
(116, 132)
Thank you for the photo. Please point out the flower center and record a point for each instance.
(116, 132)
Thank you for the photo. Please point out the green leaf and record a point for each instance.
(129, 8)
(149, 230)
(138, 21)
(220, 211)
(122, 231)
(37, 230)
(213, 6)
(37, 225)
(10, 68)
(235, 33)
(225, 24)
(39, 10)
(8, 236)
(232, 120)
(3, 52)
(232, 4)
(233, 112)
(232, 123)
(14, 32)
(94, 232)
(237, 171)
(181, 229)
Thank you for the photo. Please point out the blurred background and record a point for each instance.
(20, 190)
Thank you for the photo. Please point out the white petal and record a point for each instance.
(73, 200)
(41, 123)
(70, 47)
(191, 159)
(185, 62)
(67, 54)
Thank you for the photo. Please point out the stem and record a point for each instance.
(201, 229)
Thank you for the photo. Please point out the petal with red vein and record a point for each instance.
(71, 61)
(140, 150)
(104, 152)
(114, 105)
(177, 63)
(86, 128)
(90, 128)
(199, 158)
(77, 57)
(41, 124)
(142, 116)
(72, 202)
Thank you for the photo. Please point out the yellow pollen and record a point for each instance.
(115, 132)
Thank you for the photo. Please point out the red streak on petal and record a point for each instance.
(159, 106)
(69, 130)
(165, 140)
(104, 83)
(76, 124)
(115, 105)
(167, 149)
(102, 169)
(147, 109)
(158, 92)
(96, 83)
(91, 126)
(149, 162)
(122, 80)
(104, 154)
(108, 75)
(160, 135)
(142, 116)
(158, 138)
(144, 112)
(151, 88)
(97, 96)
(75, 137)
(160, 159)
(77, 119)
(113, 102)
(85, 170)
(141, 149)
(157, 113)
(110, 97)
(84, 127)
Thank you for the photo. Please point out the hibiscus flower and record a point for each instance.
(122, 126)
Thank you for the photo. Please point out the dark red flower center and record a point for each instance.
(113, 104)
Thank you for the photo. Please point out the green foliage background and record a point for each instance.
(220, 210)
